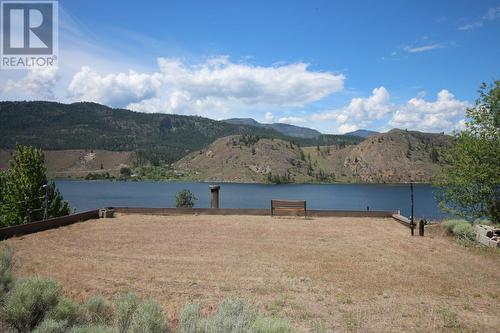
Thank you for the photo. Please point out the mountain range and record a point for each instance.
(156, 138)
(84, 138)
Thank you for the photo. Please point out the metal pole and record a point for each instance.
(46, 211)
(412, 223)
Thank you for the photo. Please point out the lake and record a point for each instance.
(87, 195)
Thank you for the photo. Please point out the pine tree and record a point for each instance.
(22, 189)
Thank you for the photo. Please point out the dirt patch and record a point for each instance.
(340, 274)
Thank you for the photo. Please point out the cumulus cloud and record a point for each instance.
(216, 83)
(292, 120)
(444, 114)
(360, 112)
(114, 89)
(269, 117)
(39, 83)
(491, 15)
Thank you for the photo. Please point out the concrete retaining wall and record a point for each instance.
(255, 212)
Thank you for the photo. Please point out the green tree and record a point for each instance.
(185, 199)
(125, 172)
(23, 192)
(471, 176)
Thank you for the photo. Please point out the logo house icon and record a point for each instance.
(29, 34)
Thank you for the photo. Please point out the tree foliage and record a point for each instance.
(185, 199)
(22, 192)
(471, 176)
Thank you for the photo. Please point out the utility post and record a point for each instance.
(46, 210)
(412, 222)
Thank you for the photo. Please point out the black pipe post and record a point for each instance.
(412, 223)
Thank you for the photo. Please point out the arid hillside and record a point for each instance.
(78, 162)
(397, 156)
(248, 159)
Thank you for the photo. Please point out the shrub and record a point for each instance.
(270, 325)
(233, 316)
(185, 199)
(52, 326)
(148, 318)
(92, 329)
(125, 172)
(125, 307)
(29, 301)
(464, 231)
(191, 321)
(97, 310)
(449, 225)
(6, 278)
(66, 310)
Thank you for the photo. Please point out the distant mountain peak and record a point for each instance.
(362, 133)
(287, 129)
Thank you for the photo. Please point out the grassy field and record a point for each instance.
(323, 274)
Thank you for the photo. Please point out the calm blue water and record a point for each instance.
(86, 195)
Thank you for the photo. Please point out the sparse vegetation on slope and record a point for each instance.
(155, 138)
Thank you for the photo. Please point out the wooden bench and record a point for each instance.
(288, 206)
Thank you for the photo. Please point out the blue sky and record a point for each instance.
(332, 65)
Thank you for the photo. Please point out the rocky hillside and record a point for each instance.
(394, 157)
(397, 156)
(250, 159)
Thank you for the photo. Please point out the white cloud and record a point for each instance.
(491, 15)
(216, 83)
(113, 89)
(443, 115)
(292, 120)
(269, 117)
(360, 112)
(423, 48)
(38, 83)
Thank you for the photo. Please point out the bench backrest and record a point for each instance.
(288, 205)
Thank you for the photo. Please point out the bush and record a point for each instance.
(449, 225)
(98, 311)
(148, 318)
(125, 172)
(191, 321)
(185, 199)
(464, 231)
(270, 325)
(66, 310)
(6, 278)
(52, 326)
(233, 316)
(125, 307)
(29, 301)
(92, 329)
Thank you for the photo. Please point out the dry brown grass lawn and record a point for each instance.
(324, 274)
